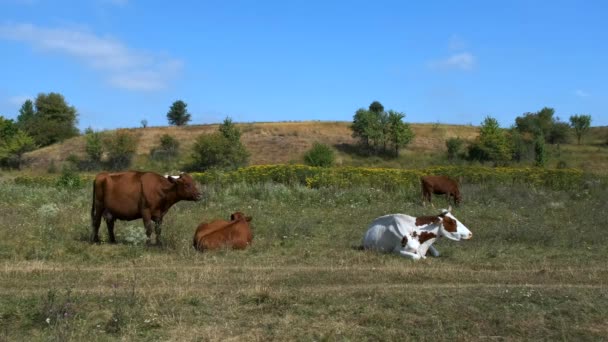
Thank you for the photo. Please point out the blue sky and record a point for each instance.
(121, 61)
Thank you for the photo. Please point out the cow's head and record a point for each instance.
(451, 228)
(186, 187)
(240, 216)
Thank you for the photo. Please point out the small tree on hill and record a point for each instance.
(379, 131)
(167, 149)
(220, 150)
(229, 130)
(178, 114)
(540, 153)
(491, 144)
(581, 125)
(120, 147)
(94, 147)
(454, 147)
(319, 155)
(399, 132)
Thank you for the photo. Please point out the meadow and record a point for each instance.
(535, 269)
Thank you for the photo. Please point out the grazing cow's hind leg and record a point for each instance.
(95, 223)
(149, 224)
(110, 224)
(157, 230)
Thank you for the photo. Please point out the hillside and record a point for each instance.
(286, 142)
(269, 143)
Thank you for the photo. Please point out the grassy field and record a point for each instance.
(535, 269)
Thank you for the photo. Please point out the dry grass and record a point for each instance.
(269, 143)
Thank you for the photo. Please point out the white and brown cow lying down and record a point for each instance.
(235, 233)
(410, 236)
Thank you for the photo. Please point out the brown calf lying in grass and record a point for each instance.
(235, 233)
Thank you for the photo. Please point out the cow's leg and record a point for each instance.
(149, 224)
(110, 225)
(409, 255)
(157, 230)
(434, 252)
(96, 214)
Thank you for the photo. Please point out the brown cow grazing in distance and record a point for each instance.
(235, 233)
(439, 185)
(132, 195)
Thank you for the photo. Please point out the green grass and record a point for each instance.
(535, 269)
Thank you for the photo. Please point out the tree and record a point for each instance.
(364, 125)
(94, 146)
(13, 143)
(167, 149)
(319, 155)
(380, 131)
(559, 134)
(26, 114)
(539, 123)
(120, 147)
(51, 120)
(376, 107)
(454, 146)
(229, 130)
(399, 132)
(178, 114)
(220, 150)
(540, 154)
(491, 144)
(580, 124)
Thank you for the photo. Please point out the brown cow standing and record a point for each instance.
(132, 195)
(439, 185)
(235, 233)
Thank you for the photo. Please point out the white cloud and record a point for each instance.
(581, 93)
(134, 69)
(462, 61)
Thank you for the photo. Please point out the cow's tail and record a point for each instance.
(93, 204)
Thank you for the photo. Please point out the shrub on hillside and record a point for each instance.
(454, 146)
(320, 155)
(215, 151)
(167, 149)
(120, 147)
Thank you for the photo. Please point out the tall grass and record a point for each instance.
(534, 270)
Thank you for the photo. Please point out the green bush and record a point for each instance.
(320, 155)
(120, 146)
(168, 149)
(215, 151)
(454, 146)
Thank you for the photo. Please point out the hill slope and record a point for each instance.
(286, 142)
(269, 143)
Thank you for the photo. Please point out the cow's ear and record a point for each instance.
(231, 217)
(248, 218)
